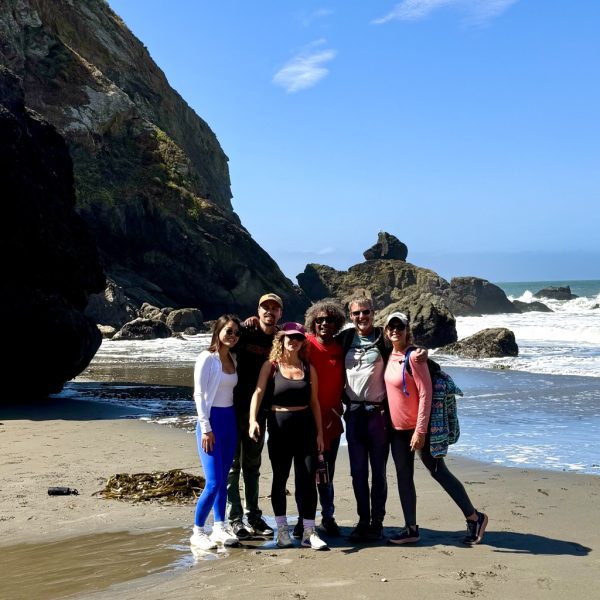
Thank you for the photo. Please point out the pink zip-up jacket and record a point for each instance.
(412, 410)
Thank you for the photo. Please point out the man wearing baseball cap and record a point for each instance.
(252, 350)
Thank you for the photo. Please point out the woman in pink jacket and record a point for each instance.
(409, 396)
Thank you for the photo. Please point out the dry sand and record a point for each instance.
(542, 539)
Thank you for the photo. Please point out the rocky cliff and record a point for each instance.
(151, 179)
(48, 259)
(393, 284)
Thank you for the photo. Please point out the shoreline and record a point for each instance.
(511, 418)
(540, 540)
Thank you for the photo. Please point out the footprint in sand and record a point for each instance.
(544, 583)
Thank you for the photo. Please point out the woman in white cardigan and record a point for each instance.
(216, 432)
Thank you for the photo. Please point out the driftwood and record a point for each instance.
(170, 486)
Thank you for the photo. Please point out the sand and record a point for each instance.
(542, 539)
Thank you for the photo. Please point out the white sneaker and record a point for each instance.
(283, 537)
(311, 539)
(222, 533)
(200, 539)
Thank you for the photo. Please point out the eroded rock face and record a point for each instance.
(489, 343)
(392, 285)
(152, 180)
(432, 324)
(556, 293)
(387, 247)
(472, 296)
(183, 318)
(49, 261)
(111, 307)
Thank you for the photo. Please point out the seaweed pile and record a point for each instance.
(170, 486)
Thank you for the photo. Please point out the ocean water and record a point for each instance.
(563, 342)
(540, 409)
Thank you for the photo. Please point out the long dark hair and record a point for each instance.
(220, 323)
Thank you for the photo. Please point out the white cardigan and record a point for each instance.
(208, 372)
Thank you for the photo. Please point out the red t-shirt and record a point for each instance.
(328, 361)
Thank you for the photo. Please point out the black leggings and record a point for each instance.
(404, 460)
(293, 437)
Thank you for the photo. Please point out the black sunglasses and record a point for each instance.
(357, 313)
(235, 332)
(295, 336)
(397, 326)
(321, 320)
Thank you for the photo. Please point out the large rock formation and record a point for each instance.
(387, 246)
(143, 329)
(531, 306)
(393, 285)
(494, 342)
(49, 262)
(556, 293)
(152, 181)
(111, 307)
(472, 296)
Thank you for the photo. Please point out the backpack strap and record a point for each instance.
(406, 368)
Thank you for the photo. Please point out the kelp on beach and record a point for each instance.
(167, 486)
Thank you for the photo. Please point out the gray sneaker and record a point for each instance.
(311, 539)
(283, 539)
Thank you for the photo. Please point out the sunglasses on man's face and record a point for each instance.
(356, 313)
(234, 332)
(321, 320)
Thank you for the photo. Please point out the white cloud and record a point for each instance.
(305, 69)
(325, 251)
(321, 13)
(414, 10)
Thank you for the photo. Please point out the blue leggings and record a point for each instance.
(216, 464)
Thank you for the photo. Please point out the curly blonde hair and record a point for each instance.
(277, 349)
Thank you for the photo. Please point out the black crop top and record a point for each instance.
(291, 392)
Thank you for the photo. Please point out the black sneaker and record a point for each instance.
(375, 531)
(240, 530)
(360, 533)
(409, 535)
(298, 529)
(475, 529)
(330, 527)
(261, 529)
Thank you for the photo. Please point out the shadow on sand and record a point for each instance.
(500, 541)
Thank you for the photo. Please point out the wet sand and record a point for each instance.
(542, 539)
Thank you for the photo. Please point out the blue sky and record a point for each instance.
(470, 129)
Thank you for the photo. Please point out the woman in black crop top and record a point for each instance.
(295, 433)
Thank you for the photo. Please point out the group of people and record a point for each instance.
(300, 383)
